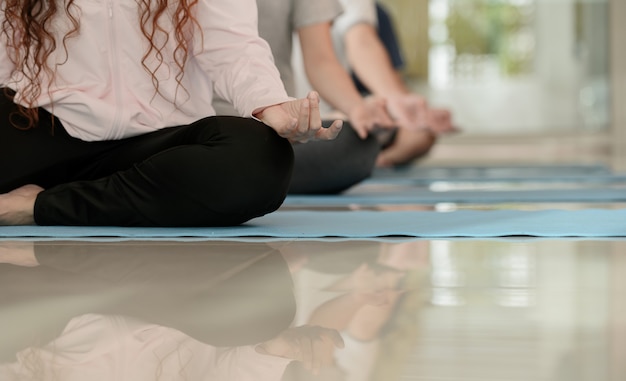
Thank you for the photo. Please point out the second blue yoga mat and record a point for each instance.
(538, 173)
(424, 196)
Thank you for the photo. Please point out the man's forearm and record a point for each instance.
(370, 61)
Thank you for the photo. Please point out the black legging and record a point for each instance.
(327, 167)
(217, 171)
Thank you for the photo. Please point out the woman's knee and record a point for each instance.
(260, 157)
(250, 173)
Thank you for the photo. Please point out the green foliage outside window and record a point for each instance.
(494, 28)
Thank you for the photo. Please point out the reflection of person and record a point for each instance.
(356, 293)
(109, 109)
(100, 347)
(192, 311)
(200, 289)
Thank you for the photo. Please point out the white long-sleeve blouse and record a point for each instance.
(101, 91)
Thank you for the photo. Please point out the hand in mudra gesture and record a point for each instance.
(299, 120)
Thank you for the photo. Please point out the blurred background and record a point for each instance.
(528, 81)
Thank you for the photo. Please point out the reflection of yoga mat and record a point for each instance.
(557, 173)
(424, 196)
(372, 224)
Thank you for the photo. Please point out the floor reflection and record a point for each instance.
(313, 310)
(138, 311)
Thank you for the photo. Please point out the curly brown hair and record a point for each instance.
(30, 43)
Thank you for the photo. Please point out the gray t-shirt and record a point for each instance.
(355, 12)
(278, 20)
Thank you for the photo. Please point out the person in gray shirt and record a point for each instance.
(350, 158)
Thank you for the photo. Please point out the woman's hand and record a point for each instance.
(299, 120)
(314, 346)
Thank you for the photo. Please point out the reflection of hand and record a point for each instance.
(380, 298)
(371, 113)
(405, 256)
(312, 345)
(375, 287)
(299, 120)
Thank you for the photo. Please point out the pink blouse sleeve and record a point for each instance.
(239, 62)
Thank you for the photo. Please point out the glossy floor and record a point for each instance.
(445, 310)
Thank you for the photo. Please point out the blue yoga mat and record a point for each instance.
(425, 196)
(374, 224)
(598, 174)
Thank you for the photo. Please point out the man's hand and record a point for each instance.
(299, 120)
(440, 121)
(410, 111)
(369, 115)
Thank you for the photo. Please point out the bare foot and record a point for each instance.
(17, 206)
(440, 122)
(407, 146)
